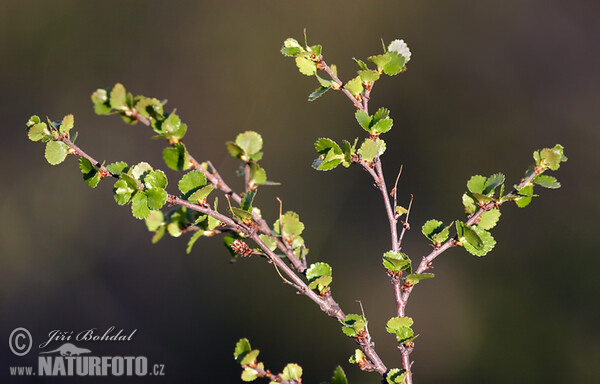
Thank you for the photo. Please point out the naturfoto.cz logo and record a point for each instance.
(71, 360)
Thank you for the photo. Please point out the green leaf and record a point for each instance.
(234, 149)
(154, 220)
(118, 97)
(242, 348)
(33, 120)
(139, 206)
(250, 374)
(250, 357)
(414, 278)
(192, 241)
(319, 276)
(159, 234)
(370, 149)
(250, 142)
(258, 176)
(476, 184)
(315, 49)
(487, 243)
(368, 75)
(396, 261)
(526, 195)
(149, 107)
(172, 128)
(318, 93)
(292, 371)
(117, 168)
(349, 152)
(317, 270)
(38, 131)
(91, 176)
(247, 199)
(339, 376)
(201, 194)
(67, 124)
(289, 226)
(400, 326)
(357, 358)
(156, 198)
(123, 189)
(354, 86)
(361, 64)
(85, 165)
(291, 47)
(488, 219)
(435, 231)
(323, 145)
(492, 182)
(395, 65)
(396, 376)
(546, 181)
(401, 210)
(240, 213)
(467, 234)
(191, 182)
(363, 119)
(100, 101)
(140, 170)
(305, 65)
(382, 126)
(469, 203)
(177, 157)
(380, 60)
(353, 325)
(552, 157)
(156, 179)
(270, 242)
(381, 113)
(56, 152)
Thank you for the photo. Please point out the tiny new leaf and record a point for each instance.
(91, 176)
(435, 231)
(292, 371)
(318, 93)
(396, 262)
(395, 376)
(414, 278)
(401, 327)
(339, 376)
(353, 325)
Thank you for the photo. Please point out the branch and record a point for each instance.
(322, 65)
(326, 303)
(215, 179)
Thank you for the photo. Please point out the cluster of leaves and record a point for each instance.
(319, 277)
(50, 133)
(248, 148)
(485, 195)
(247, 358)
(291, 373)
(397, 263)
(289, 228)
(117, 100)
(309, 60)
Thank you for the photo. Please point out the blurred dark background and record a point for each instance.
(488, 83)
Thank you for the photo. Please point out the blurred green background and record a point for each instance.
(489, 82)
